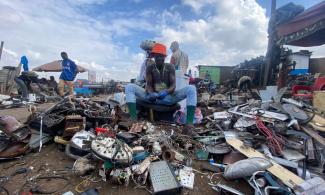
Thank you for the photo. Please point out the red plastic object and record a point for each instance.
(297, 88)
(318, 85)
(100, 130)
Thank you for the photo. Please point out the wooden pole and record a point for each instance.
(270, 46)
(1, 48)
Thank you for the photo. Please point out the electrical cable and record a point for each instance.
(275, 142)
(83, 183)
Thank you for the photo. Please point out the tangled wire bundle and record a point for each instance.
(274, 141)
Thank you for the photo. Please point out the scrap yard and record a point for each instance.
(257, 127)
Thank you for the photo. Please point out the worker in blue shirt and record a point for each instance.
(69, 72)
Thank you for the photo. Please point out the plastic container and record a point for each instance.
(181, 82)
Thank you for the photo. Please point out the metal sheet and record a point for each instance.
(295, 112)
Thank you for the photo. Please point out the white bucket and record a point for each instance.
(181, 82)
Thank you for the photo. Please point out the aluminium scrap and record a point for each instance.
(107, 148)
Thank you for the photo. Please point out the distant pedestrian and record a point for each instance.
(69, 73)
(179, 58)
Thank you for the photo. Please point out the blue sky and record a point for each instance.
(104, 35)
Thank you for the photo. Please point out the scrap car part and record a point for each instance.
(21, 134)
(295, 112)
(82, 140)
(74, 152)
(111, 149)
(73, 124)
(9, 124)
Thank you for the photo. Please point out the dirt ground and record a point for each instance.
(53, 161)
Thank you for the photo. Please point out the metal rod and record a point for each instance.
(1, 48)
(41, 135)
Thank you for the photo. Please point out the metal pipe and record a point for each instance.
(41, 135)
(1, 48)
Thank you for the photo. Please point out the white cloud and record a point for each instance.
(197, 5)
(87, 2)
(237, 32)
(42, 29)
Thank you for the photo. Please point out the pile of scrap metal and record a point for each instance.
(104, 142)
(71, 115)
(133, 154)
(272, 146)
(7, 101)
(282, 138)
(44, 90)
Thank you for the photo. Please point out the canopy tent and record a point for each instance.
(55, 66)
(307, 29)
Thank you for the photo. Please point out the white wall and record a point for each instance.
(302, 62)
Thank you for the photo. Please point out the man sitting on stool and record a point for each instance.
(160, 87)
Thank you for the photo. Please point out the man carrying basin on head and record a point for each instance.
(160, 86)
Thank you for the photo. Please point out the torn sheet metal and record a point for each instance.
(269, 114)
(221, 115)
(234, 110)
(292, 155)
(295, 112)
(244, 122)
(292, 101)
